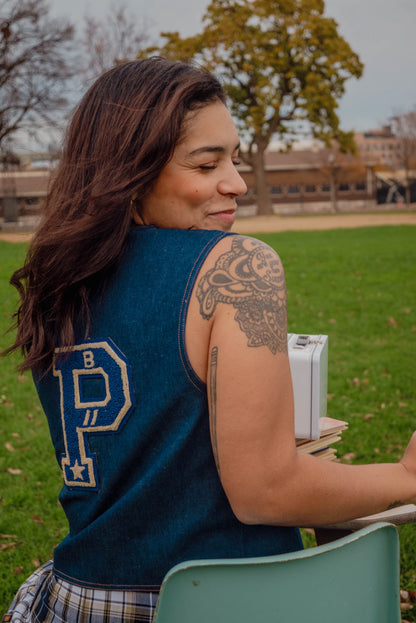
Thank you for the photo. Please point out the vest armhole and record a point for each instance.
(193, 377)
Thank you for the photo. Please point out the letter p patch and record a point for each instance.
(96, 397)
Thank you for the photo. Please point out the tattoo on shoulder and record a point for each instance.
(249, 277)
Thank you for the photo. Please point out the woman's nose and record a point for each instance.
(232, 183)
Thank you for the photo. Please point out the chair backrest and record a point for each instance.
(352, 580)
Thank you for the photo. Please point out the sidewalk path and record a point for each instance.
(275, 223)
(261, 224)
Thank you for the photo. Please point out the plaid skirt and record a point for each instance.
(44, 598)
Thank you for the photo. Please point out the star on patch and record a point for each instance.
(77, 470)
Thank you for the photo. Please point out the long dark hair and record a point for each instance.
(122, 134)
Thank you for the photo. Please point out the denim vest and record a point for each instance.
(129, 422)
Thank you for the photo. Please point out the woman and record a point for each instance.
(158, 343)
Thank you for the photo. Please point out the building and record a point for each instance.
(300, 181)
(317, 180)
(22, 191)
(381, 147)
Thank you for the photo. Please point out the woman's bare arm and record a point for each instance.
(243, 297)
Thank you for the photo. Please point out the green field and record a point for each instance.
(358, 286)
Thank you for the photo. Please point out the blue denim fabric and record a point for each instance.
(142, 491)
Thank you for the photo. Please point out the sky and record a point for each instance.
(381, 32)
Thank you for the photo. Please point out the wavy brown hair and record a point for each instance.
(122, 134)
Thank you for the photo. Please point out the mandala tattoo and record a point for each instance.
(250, 278)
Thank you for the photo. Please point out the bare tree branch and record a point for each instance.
(110, 41)
(34, 65)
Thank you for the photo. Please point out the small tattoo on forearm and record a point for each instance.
(213, 404)
(249, 277)
(394, 505)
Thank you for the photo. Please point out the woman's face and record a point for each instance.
(198, 187)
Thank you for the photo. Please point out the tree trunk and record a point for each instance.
(263, 198)
(407, 189)
(334, 203)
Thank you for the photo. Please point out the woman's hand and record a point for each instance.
(409, 458)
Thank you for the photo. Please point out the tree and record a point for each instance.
(34, 65)
(405, 129)
(284, 67)
(107, 42)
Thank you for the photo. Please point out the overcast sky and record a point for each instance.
(382, 32)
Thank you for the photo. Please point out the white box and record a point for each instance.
(308, 357)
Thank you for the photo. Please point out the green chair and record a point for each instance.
(352, 580)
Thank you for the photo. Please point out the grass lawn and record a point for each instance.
(358, 286)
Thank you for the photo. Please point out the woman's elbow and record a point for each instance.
(264, 505)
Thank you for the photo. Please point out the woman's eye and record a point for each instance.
(207, 167)
(236, 162)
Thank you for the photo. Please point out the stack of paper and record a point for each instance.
(330, 431)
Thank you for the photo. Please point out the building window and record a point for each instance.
(277, 190)
(293, 189)
(360, 186)
(344, 186)
(310, 188)
(326, 188)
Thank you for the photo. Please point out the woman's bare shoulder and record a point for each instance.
(247, 275)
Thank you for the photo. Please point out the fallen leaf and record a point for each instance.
(18, 570)
(405, 606)
(407, 595)
(9, 446)
(11, 545)
(14, 472)
(368, 416)
(349, 456)
(392, 322)
(37, 519)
